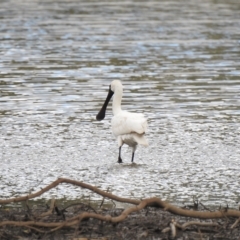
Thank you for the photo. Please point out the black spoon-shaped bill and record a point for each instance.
(101, 114)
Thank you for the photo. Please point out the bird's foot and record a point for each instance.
(119, 160)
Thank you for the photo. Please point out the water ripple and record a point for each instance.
(179, 63)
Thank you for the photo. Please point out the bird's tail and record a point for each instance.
(140, 139)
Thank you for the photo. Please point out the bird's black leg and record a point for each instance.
(132, 156)
(119, 156)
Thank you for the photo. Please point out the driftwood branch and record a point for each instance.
(38, 224)
(154, 202)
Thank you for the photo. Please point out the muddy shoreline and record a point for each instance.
(148, 223)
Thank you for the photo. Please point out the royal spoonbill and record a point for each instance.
(129, 128)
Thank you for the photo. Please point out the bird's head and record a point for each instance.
(115, 85)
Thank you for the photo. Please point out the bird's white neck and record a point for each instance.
(117, 99)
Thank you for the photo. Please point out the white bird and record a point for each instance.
(129, 128)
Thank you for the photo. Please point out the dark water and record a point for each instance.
(179, 62)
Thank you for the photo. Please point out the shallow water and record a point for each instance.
(179, 64)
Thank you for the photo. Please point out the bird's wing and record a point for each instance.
(125, 123)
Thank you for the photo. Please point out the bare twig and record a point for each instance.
(173, 228)
(206, 207)
(200, 233)
(165, 230)
(235, 223)
(202, 224)
(35, 229)
(50, 211)
(80, 203)
(186, 225)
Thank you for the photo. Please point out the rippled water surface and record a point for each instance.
(179, 62)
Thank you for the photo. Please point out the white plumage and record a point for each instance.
(129, 128)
